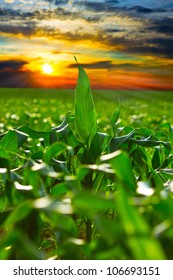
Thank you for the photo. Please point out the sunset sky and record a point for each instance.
(122, 44)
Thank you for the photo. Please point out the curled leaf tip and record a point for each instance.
(76, 59)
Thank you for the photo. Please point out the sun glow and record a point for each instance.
(47, 69)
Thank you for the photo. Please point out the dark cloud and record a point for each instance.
(62, 13)
(155, 46)
(26, 30)
(166, 29)
(76, 36)
(16, 79)
(12, 64)
(27, 22)
(2, 12)
(95, 6)
(114, 30)
(58, 2)
(65, 52)
(102, 6)
(112, 2)
(114, 42)
(164, 26)
(163, 46)
(140, 9)
(144, 10)
(9, 12)
(110, 6)
(64, 2)
(160, 10)
(105, 64)
(92, 19)
(95, 65)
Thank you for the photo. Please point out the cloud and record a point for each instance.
(92, 19)
(2, 12)
(145, 46)
(65, 52)
(12, 64)
(125, 31)
(112, 1)
(113, 30)
(9, 12)
(107, 64)
(25, 30)
(58, 2)
(95, 6)
(157, 46)
(140, 9)
(102, 6)
(10, 78)
(164, 26)
(162, 46)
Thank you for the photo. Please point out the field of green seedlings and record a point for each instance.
(86, 176)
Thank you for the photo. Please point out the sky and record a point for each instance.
(122, 44)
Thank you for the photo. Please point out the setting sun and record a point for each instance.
(47, 68)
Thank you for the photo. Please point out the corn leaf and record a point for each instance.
(85, 115)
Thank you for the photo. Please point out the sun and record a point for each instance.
(47, 68)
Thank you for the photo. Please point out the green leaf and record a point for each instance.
(59, 189)
(4, 163)
(151, 142)
(95, 147)
(139, 239)
(166, 176)
(157, 180)
(4, 153)
(117, 141)
(35, 134)
(3, 201)
(109, 228)
(90, 204)
(157, 158)
(63, 224)
(115, 117)
(121, 164)
(85, 115)
(13, 140)
(18, 214)
(54, 150)
(61, 132)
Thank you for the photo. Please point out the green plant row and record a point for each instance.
(77, 193)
